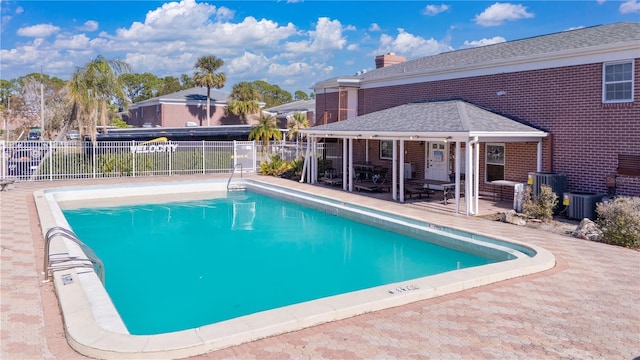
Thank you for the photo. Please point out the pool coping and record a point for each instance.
(76, 289)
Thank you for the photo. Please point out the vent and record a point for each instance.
(581, 205)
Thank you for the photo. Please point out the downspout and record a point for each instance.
(539, 157)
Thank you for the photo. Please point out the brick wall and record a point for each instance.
(586, 135)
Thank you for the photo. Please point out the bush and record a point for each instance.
(619, 221)
(541, 206)
(275, 166)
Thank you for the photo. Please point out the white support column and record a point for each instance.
(366, 150)
(539, 157)
(476, 192)
(314, 163)
(345, 166)
(305, 164)
(469, 179)
(351, 173)
(401, 187)
(394, 172)
(457, 171)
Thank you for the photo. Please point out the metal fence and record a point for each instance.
(59, 160)
(56, 160)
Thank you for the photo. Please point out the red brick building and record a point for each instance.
(579, 87)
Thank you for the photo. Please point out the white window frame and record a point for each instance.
(499, 161)
(605, 83)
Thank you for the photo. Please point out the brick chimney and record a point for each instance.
(389, 59)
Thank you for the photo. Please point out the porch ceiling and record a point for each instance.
(437, 120)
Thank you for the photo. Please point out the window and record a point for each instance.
(495, 162)
(617, 82)
(386, 149)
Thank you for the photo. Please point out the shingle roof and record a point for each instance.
(549, 44)
(451, 116)
(300, 105)
(195, 93)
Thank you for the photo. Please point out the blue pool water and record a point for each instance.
(182, 265)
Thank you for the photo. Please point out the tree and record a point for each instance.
(243, 101)
(139, 87)
(301, 95)
(169, 85)
(265, 130)
(298, 121)
(272, 95)
(206, 76)
(92, 88)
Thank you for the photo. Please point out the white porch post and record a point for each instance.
(401, 170)
(539, 157)
(305, 165)
(314, 163)
(457, 171)
(394, 172)
(345, 166)
(366, 150)
(351, 173)
(476, 174)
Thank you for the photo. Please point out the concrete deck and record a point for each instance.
(587, 307)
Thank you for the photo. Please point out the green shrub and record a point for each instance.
(619, 221)
(275, 166)
(541, 206)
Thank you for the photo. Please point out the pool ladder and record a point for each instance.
(235, 187)
(68, 261)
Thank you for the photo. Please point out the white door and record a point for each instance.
(437, 164)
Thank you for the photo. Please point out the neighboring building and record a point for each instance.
(182, 108)
(575, 92)
(283, 112)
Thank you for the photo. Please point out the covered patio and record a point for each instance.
(436, 124)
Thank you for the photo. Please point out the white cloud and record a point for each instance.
(432, 10)
(630, 6)
(498, 13)
(326, 36)
(290, 70)
(19, 10)
(248, 62)
(484, 42)
(409, 45)
(574, 28)
(374, 27)
(89, 25)
(38, 31)
(79, 41)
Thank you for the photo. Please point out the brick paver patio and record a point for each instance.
(587, 307)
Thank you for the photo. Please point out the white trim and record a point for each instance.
(604, 82)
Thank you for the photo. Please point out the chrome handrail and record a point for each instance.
(68, 234)
(233, 172)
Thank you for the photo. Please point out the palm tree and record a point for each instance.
(244, 100)
(299, 122)
(206, 76)
(266, 129)
(92, 88)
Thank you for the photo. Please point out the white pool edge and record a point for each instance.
(94, 328)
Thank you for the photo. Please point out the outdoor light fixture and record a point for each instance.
(446, 140)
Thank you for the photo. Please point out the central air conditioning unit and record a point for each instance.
(557, 182)
(581, 205)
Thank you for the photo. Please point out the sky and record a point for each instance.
(292, 44)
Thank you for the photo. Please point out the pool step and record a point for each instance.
(236, 187)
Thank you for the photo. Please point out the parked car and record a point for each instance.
(33, 135)
(25, 157)
(73, 135)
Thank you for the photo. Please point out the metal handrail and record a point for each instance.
(68, 234)
(233, 172)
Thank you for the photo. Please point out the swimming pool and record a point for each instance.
(241, 254)
(95, 328)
